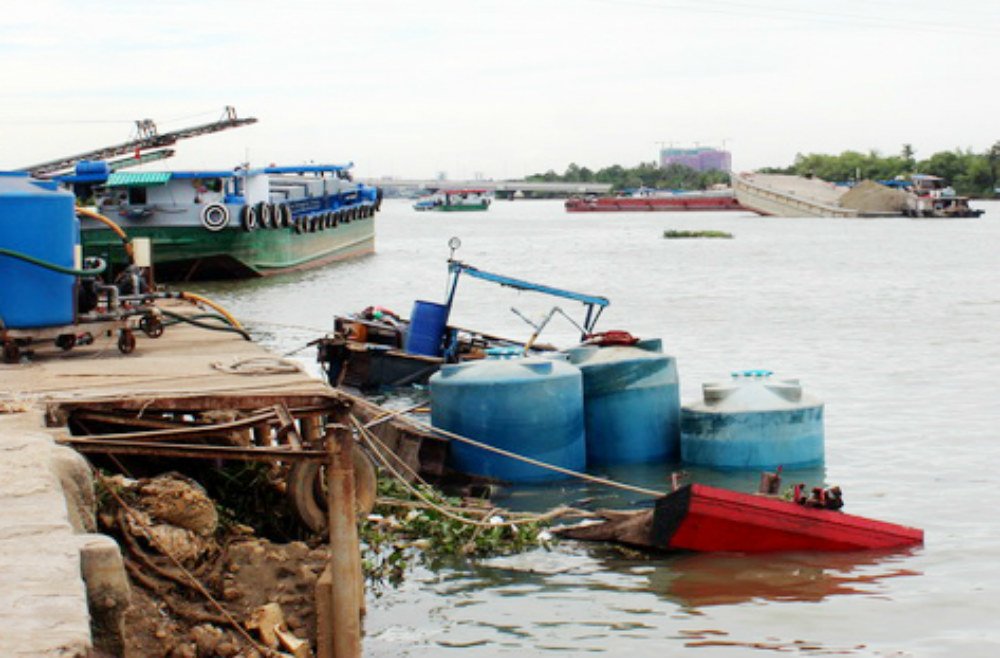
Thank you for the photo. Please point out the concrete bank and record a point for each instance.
(63, 588)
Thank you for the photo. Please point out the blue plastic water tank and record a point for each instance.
(753, 422)
(532, 407)
(631, 403)
(427, 326)
(38, 220)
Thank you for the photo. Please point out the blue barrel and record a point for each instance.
(753, 422)
(532, 407)
(38, 220)
(428, 322)
(631, 402)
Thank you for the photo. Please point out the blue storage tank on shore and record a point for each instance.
(753, 422)
(428, 322)
(631, 403)
(532, 407)
(37, 220)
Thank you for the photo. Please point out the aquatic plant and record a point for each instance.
(671, 234)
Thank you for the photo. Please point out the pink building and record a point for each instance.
(699, 159)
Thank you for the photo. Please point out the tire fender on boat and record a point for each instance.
(284, 212)
(215, 217)
(248, 218)
(264, 214)
(328, 220)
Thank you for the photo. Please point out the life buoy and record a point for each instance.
(248, 218)
(264, 215)
(215, 217)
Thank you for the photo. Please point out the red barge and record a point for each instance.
(666, 202)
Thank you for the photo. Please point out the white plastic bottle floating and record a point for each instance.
(753, 422)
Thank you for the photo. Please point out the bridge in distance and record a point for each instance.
(503, 188)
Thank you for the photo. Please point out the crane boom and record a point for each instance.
(148, 137)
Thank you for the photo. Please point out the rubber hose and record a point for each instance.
(202, 325)
(191, 297)
(110, 223)
(52, 266)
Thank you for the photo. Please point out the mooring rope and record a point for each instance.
(373, 444)
(535, 462)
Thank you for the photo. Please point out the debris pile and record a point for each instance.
(202, 588)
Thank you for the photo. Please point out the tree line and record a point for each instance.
(646, 174)
(968, 172)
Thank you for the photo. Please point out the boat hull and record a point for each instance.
(703, 518)
(678, 203)
(186, 252)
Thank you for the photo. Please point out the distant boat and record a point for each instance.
(237, 223)
(656, 200)
(460, 200)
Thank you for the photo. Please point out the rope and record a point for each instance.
(258, 365)
(534, 462)
(371, 441)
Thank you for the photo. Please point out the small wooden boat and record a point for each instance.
(699, 517)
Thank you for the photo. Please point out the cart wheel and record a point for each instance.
(66, 342)
(11, 352)
(307, 489)
(151, 325)
(126, 341)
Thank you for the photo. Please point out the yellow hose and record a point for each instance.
(126, 242)
(191, 297)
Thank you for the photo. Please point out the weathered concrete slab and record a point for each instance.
(43, 601)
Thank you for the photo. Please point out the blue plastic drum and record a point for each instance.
(531, 407)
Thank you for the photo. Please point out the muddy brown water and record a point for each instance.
(892, 322)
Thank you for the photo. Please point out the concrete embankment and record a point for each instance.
(48, 549)
(63, 588)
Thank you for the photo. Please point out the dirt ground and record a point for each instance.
(169, 615)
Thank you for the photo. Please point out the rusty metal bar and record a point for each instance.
(194, 432)
(287, 427)
(116, 447)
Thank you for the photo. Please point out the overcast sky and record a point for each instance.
(500, 88)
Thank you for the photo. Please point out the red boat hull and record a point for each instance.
(703, 518)
(680, 202)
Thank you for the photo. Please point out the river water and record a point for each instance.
(891, 322)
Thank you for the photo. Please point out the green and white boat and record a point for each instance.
(238, 223)
(455, 201)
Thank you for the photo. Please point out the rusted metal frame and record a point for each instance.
(58, 412)
(199, 432)
(287, 429)
(103, 446)
(82, 415)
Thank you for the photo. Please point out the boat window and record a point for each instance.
(137, 195)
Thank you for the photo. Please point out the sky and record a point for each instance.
(500, 89)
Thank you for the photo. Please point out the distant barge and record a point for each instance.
(656, 202)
